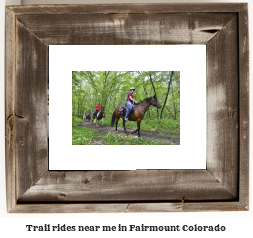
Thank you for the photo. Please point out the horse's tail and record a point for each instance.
(113, 117)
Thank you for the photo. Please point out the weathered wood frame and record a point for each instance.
(223, 186)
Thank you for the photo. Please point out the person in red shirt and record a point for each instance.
(97, 108)
(129, 102)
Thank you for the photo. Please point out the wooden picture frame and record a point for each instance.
(222, 186)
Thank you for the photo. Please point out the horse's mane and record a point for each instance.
(147, 100)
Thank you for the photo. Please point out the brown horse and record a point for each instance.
(100, 115)
(137, 114)
(86, 117)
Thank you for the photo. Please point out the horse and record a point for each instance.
(137, 114)
(100, 115)
(86, 117)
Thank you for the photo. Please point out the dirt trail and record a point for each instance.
(156, 136)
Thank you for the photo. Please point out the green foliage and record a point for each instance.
(82, 135)
(164, 125)
(110, 89)
(159, 125)
(75, 121)
(86, 136)
(112, 139)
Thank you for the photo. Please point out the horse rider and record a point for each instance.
(129, 102)
(84, 115)
(97, 108)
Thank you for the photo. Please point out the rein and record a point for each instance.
(103, 113)
(139, 104)
(155, 102)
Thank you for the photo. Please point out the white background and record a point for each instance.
(239, 224)
(65, 156)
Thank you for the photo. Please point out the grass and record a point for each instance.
(111, 139)
(162, 136)
(82, 135)
(86, 136)
(169, 136)
(159, 125)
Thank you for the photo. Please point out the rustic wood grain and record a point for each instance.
(222, 107)
(9, 108)
(222, 187)
(244, 106)
(30, 108)
(140, 185)
(129, 207)
(186, 207)
(118, 29)
(129, 8)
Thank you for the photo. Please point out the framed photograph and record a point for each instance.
(170, 123)
(44, 47)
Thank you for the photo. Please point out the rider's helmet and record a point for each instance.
(132, 89)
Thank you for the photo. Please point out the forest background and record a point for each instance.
(110, 89)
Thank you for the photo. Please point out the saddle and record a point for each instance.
(98, 113)
(123, 110)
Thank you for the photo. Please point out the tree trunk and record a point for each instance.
(89, 104)
(109, 104)
(175, 111)
(151, 114)
(165, 101)
(78, 108)
(115, 101)
(73, 101)
(175, 108)
(155, 94)
(145, 91)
